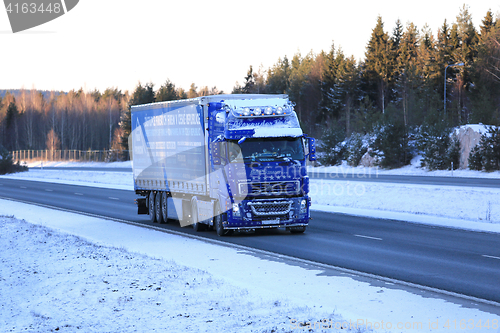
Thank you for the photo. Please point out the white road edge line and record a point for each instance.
(112, 198)
(492, 257)
(369, 237)
(78, 193)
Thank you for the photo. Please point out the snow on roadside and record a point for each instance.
(56, 282)
(67, 272)
(475, 208)
(116, 180)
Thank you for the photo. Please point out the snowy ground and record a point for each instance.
(68, 273)
(64, 272)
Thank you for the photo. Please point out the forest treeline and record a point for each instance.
(401, 80)
(78, 120)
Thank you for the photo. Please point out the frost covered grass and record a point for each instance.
(463, 203)
(52, 282)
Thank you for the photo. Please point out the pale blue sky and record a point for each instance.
(117, 43)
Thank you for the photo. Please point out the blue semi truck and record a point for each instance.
(223, 162)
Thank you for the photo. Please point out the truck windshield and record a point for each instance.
(276, 149)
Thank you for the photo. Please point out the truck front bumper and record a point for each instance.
(269, 213)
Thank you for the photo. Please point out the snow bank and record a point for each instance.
(72, 273)
(56, 282)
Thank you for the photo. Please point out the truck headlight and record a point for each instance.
(303, 206)
(236, 209)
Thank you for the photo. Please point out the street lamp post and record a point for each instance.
(452, 65)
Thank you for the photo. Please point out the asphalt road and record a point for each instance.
(368, 176)
(459, 261)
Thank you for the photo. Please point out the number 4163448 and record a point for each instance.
(32, 8)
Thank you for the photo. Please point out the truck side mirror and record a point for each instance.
(312, 149)
(216, 153)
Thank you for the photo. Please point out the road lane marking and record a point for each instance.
(369, 237)
(78, 193)
(22, 186)
(112, 198)
(49, 190)
(492, 257)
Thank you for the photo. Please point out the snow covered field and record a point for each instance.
(64, 272)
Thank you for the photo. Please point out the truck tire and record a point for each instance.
(197, 226)
(164, 210)
(151, 207)
(219, 229)
(218, 225)
(159, 217)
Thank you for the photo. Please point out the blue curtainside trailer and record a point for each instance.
(227, 162)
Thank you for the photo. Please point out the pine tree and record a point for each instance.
(141, 95)
(249, 84)
(379, 63)
(167, 92)
(407, 69)
(192, 93)
(11, 127)
(488, 23)
(485, 93)
(330, 102)
(277, 81)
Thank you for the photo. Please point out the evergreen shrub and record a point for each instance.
(438, 146)
(355, 147)
(6, 163)
(331, 148)
(486, 154)
(391, 145)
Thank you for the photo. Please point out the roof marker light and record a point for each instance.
(268, 111)
(279, 110)
(257, 111)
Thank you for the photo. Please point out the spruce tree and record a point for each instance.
(379, 63)
(249, 85)
(167, 92)
(141, 95)
(278, 77)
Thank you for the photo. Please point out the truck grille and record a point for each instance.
(270, 188)
(272, 208)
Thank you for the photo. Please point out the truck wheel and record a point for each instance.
(297, 230)
(159, 217)
(219, 229)
(197, 226)
(151, 207)
(164, 212)
(218, 225)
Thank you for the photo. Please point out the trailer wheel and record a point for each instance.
(164, 211)
(151, 207)
(197, 226)
(159, 217)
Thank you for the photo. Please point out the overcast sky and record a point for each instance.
(117, 43)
